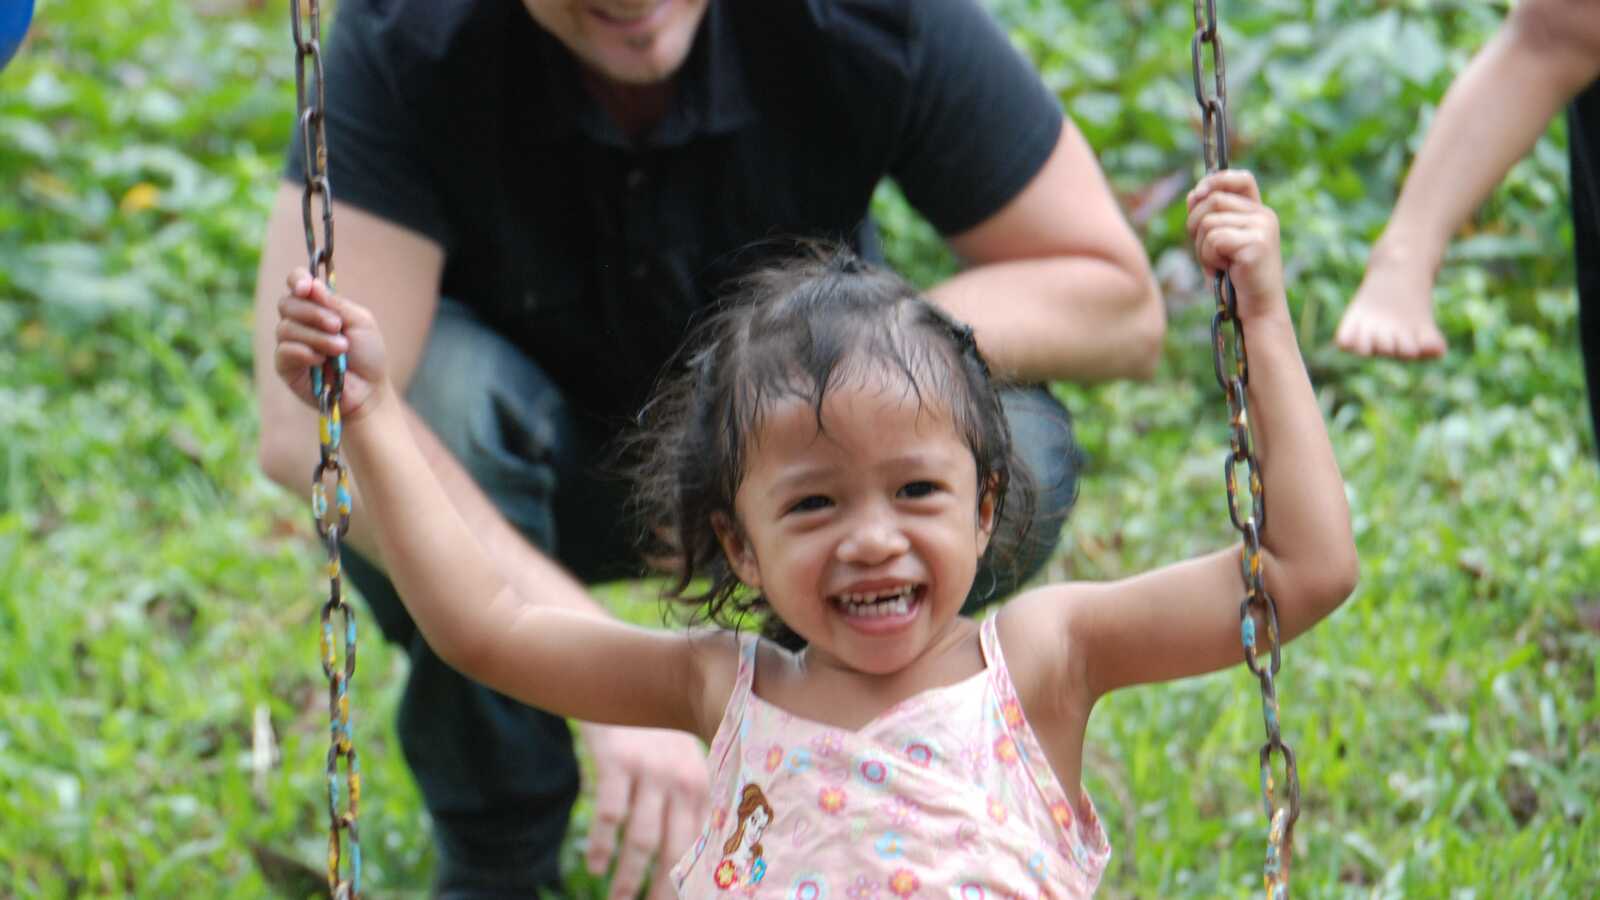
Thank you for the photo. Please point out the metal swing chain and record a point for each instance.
(1258, 613)
(327, 382)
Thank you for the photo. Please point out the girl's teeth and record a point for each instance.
(902, 594)
(898, 606)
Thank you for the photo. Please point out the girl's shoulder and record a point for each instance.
(1037, 638)
(716, 654)
(1039, 616)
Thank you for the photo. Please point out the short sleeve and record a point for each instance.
(377, 119)
(980, 123)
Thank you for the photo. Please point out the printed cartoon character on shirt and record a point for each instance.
(742, 864)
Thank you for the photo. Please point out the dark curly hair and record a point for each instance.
(792, 330)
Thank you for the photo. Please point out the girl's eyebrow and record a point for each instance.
(801, 475)
(798, 476)
(921, 457)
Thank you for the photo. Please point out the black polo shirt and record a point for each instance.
(465, 121)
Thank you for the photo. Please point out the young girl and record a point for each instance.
(834, 456)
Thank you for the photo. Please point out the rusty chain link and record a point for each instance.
(1258, 613)
(327, 382)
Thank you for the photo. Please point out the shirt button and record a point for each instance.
(635, 179)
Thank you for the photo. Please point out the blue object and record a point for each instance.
(14, 18)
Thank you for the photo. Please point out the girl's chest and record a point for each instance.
(939, 791)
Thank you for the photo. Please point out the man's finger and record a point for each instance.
(610, 805)
(683, 820)
(641, 840)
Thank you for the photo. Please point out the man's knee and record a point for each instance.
(1042, 493)
(496, 412)
(1041, 433)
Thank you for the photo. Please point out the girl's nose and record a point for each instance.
(875, 540)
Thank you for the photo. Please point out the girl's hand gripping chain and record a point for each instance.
(314, 325)
(1233, 231)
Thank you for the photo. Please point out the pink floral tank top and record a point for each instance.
(946, 794)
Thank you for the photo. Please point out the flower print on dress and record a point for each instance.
(1005, 750)
(1077, 853)
(890, 846)
(975, 756)
(1011, 713)
(835, 770)
(798, 762)
(863, 888)
(874, 770)
(831, 800)
(1062, 813)
(774, 758)
(809, 886)
(902, 811)
(922, 751)
(903, 883)
(828, 743)
(997, 810)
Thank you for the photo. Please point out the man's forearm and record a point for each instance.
(534, 575)
(537, 577)
(1081, 319)
(1491, 117)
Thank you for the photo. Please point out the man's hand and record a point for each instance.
(1392, 312)
(650, 786)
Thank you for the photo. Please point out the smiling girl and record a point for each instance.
(831, 455)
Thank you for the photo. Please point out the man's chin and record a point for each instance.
(637, 71)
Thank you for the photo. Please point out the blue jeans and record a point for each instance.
(499, 778)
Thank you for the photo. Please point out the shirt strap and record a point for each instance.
(727, 736)
(989, 641)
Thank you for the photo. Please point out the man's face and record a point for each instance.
(625, 41)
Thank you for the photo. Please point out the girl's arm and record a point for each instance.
(1183, 619)
(562, 660)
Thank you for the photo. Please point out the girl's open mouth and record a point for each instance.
(889, 606)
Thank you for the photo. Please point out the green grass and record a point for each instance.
(158, 595)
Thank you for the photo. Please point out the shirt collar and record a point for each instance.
(713, 96)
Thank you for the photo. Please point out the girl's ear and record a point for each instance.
(986, 517)
(741, 557)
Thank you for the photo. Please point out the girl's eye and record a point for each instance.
(918, 489)
(811, 504)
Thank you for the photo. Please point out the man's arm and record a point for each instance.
(1493, 113)
(395, 273)
(652, 781)
(1059, 286)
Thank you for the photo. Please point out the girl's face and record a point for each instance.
(863, 536)
(625, 41)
